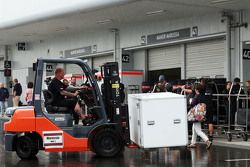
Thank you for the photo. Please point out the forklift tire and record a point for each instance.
(26, 147)
(107, 143)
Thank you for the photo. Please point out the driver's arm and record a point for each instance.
(69, 94)
(71, 88)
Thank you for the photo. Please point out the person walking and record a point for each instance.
(210, 109)
(29, 94)
(4, 95)
(17, 91)
(199, 99)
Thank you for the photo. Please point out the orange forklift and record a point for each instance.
(50, 128)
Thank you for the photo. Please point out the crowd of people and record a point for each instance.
(16, 94)
(67, 91)
(202, 92)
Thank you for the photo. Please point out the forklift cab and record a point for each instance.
(51, 128)
(89, 98)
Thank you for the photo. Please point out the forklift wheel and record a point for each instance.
(107, 143)
(26, 147)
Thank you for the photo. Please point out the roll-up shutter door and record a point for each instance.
(164, 58)
(205, 58)
(100, 60)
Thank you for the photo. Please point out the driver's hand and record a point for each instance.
(76, 93)
(84, 87)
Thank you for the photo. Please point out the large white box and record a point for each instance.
(158, 120)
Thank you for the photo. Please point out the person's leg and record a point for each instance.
(199, 132)
(1, 107)
(76, 118)
(78, 110)
(202, 135)
(194, 134)
(210, 131)
(16, 100)
(6, 104)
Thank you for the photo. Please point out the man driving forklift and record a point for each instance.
(58, 90)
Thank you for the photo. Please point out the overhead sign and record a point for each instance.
(194, 31)
(21, 46)
(78, 52)
(246, 54)
(169, 36)
(125, 58)
(49, 68)
(53, 139)
(7, 64)
(143, 40)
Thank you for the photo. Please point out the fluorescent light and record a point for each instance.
(106, 21)
(219, 1)
(29, 34)
(156, 12)
(247, 43)
(61, 29)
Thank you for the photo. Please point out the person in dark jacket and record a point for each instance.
(17, 92)
(4, 95)
(58, 89)
(233, 99)
(162, 85)
(210, 109)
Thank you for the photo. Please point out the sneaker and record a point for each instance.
(191, 146)
(209, 143)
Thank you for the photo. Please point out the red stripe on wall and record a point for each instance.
(121, 73)
(131, 73)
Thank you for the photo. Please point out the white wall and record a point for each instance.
(246, 31)
(139, 58)
(208, 24)
(51, 48)
(130, 35)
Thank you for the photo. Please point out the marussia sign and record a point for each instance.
(246, 53)
(169, 36)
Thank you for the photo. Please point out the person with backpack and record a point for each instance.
(4, 95)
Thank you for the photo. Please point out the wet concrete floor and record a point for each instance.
(182, 157)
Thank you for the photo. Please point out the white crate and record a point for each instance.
(158, 119)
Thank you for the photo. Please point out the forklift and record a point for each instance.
(50, 128)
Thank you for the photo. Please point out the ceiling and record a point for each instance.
(116, 16)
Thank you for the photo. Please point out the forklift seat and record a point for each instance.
(61, 116)
(49, 97)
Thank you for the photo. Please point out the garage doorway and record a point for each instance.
(170, 74)
(246, 60)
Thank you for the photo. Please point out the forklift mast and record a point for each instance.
(111, 91)
(113, 97)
